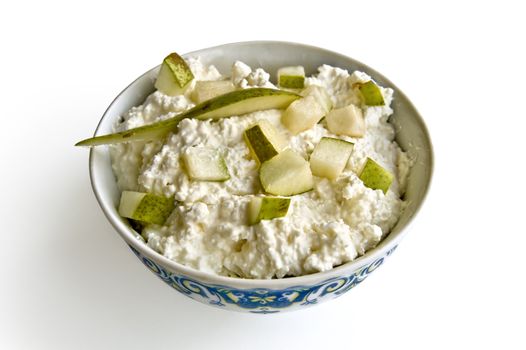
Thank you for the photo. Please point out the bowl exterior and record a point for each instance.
(261, 300)
(266, 296)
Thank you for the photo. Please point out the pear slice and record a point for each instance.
(370, 94)
(376, 177)
(320, 94)
(145, 207)
(205, 164)
(330, 157)
(346, 121)
(291, 77)
(267, 208)
(302, 115)
(237, 102)
(264, 141)
(174, 75)
(205, 90)
(286, 174)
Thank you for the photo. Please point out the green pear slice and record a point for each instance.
(267, 208)
(330, 157)
(145, 207)
(237, 102)
(375, 176)
(302, 115)
(205, 90)
(291, 77)
(370, 94)
(174, 75)
(346, 121)
(320, 94)
(286, 174)
(205, 164)
(264, 141)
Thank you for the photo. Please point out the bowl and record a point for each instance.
(276, 295)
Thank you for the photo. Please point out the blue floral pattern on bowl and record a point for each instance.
(262, 300)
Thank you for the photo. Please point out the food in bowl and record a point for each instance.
(229, 174)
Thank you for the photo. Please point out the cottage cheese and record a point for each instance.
(333, 224)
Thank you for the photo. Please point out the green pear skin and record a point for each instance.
(371, 94)
(174, 75)
(263, 141)
(145, 207)
(291, 77)
(375, 176)
(267, 208)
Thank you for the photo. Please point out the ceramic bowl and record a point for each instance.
(276, 295)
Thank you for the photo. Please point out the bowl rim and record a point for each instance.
(125, 231)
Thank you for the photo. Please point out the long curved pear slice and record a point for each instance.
(237, 102)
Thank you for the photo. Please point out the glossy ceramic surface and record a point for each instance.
(267, 296)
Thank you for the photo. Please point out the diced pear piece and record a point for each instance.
(264, 141)
(346, 121)
(371, 94)
(205, 164)
(205, 90)
(286, 174)
(174, 75)
(320, 94)
(330, 157)
(145, 207)
(267, 208)
(375, 176)
(291, 77)
(302, 115)
(237, 102)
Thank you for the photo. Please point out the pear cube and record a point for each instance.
(267, 208)
(286, 174)
(371, 94)
(145, 207)
(291, 77)
(205, 90)
(375, 176)
(174, 75)
(346, 121)
(205, 164)
(264, 141)
(302, 114)
(320, 94)
(330, 157)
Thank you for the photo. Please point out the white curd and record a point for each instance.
(333, 224)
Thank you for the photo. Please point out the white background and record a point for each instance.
(69, 282)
